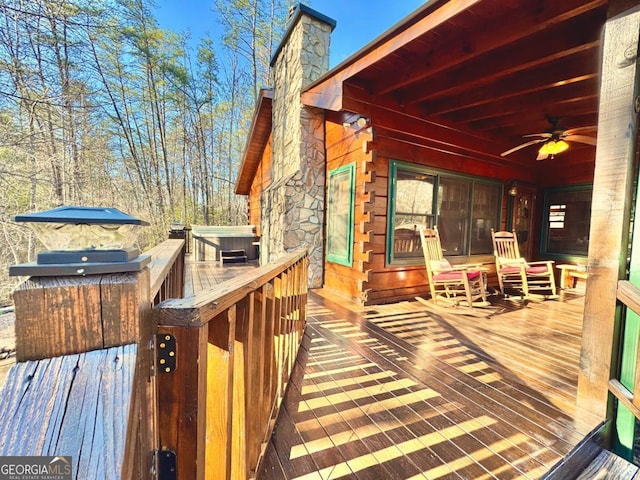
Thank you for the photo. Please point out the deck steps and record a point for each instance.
(608, 465)
(233, 256)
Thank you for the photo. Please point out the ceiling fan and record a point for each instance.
(554, 140)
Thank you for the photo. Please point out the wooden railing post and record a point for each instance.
(181, 397)
(62, 316)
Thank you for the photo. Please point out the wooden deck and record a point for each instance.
(405, 391)
(201, 276)
(402, 391)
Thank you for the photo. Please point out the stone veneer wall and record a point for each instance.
(293, 214)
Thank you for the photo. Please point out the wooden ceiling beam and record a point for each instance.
(505, 125)
(454, 153)
(450, 137)
(551, 52)
(571, 71)
(516, 124)
(326, 92)
(524, 22)
(531, 99)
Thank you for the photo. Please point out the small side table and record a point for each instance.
(569, 273)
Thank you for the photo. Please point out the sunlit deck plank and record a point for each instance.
(205, 275)
(470, 403)
(347, 427)
(490, 412)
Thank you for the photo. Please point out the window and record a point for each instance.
(340, 215)
(464, 209)
(567, 216)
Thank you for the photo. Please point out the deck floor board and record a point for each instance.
(403, 391)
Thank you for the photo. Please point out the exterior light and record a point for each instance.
(358, 124)
(553, 147)
(83, 240)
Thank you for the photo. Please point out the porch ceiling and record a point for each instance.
(493, 70)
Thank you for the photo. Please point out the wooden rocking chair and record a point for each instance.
(516, 274)
(451, 285)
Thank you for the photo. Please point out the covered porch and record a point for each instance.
(440, 122)
(389, 391)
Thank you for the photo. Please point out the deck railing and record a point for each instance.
(204, 379)
(167, 270)
(628, 295)
(224, 360)
(82, 346)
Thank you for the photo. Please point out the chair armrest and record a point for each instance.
(464, 266)
(542, 262)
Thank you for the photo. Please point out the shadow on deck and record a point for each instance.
(399, 391)
(405, 391)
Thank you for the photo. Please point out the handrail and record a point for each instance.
(197, 310)
(629, 294)
(166, 269)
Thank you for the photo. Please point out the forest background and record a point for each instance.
(99, 106)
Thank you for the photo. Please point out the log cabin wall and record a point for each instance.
(260, 182)
(344, 146)
(371, 280)
(394, 283)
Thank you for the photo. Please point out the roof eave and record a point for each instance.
(257, 137)
(326, 91)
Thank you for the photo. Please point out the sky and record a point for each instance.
(358, 21)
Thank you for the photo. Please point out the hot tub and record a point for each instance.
(210, 240)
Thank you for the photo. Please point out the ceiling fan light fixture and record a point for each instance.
(553, 147)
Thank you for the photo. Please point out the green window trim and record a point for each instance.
(340, 214)
(470, 192)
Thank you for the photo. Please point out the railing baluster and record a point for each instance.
(270, 367)
(218, 417)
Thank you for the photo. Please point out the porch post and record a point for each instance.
(611, 209)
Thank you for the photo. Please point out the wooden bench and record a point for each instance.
(569, 273)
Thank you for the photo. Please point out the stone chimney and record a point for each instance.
(293, 205)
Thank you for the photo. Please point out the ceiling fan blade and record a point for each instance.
(580, 139)
(526, 144)
(543, 135)
(588, 128)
